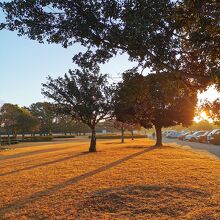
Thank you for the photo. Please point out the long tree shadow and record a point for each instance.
(42, 164)
(9, 163)
(20, 203)
(31, 153)
(144, 200)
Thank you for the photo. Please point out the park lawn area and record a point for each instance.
(121, 181)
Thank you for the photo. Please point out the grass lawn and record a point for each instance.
(121, 181)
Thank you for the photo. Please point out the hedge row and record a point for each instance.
(37, 139)
(119, 136)
(64, 136)
(5, 141)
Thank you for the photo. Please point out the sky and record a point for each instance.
(25, 65)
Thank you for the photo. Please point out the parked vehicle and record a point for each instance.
(216, 139)
(165, 133)
(183, 135)
(203, 138)
(193, 137)
(211, 135)
(173, 134)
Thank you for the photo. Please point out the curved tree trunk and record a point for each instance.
(92, 147)
(122, 135)
(158, 129)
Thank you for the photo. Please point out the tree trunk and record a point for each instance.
(122, 135)
(9, 139)
(92, 147)
(15, 135)
(158, 129)
(132, 135)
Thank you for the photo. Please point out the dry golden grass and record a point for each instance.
(121, 181)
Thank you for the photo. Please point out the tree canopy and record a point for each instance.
(181, 37)
(212, 109)
(46, 114)
(84, 95)
(154, 100)
(15, 119)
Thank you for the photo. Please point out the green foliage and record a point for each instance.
(202, 125)
(83, 95)
(154, 100)
(66, 124)
(45, 112)
(177, 36)
(212, 110)
(15, 119)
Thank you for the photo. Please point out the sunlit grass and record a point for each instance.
(120, 181)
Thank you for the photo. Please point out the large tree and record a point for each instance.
(154, 100)
(46, 113)
(17, 120)
(181, 37)
(9, 117)
(84, 95)
(27, 123)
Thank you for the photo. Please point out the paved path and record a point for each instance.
(210, 148)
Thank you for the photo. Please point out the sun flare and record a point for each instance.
(202, 117)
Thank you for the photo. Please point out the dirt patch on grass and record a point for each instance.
(142, 200)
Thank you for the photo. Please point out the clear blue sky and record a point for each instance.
(25, 64)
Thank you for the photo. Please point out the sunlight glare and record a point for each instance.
(202, 117)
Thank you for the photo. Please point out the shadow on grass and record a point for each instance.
(141, 200)
(31, 153)
(22, 202)
(144, 147)
(135, 147)
(10, 163)
(43, 164)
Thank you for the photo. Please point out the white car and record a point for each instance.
(167, 132)
(173, 134)
(210, 136)
(193, 136)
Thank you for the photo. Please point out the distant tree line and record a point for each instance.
(40, 118)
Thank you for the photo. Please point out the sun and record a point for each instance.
(202, 116)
